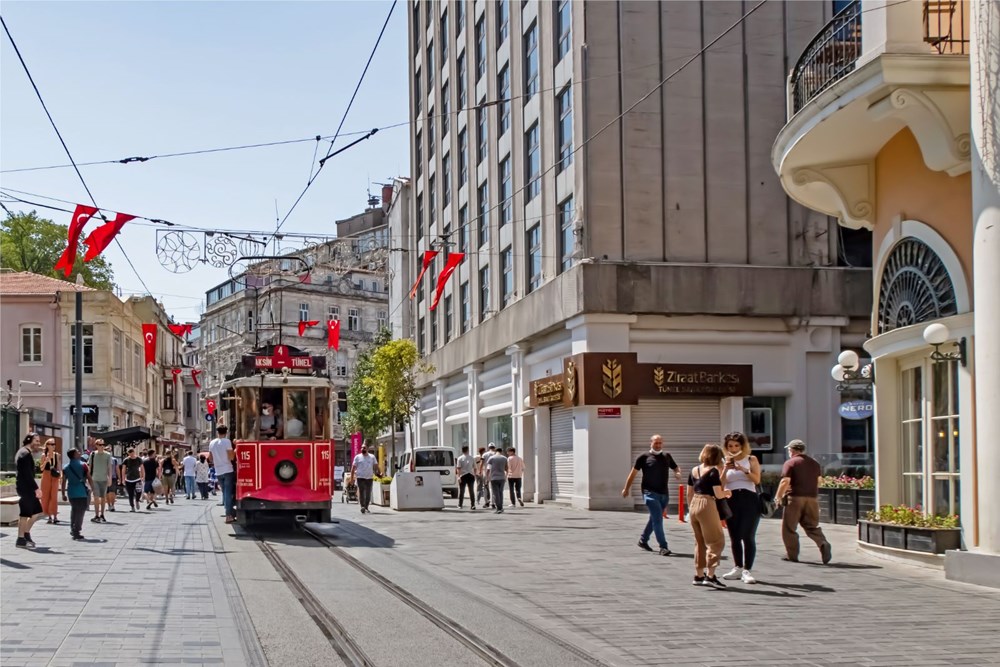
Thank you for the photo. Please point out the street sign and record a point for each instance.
(856, 410)
(209, 417)
(609, 413)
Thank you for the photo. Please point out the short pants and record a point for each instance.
(29, 505)
(100, 489)
(147, 486)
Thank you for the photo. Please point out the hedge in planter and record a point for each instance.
(908, 528)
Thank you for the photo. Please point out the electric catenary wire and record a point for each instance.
(69, 155)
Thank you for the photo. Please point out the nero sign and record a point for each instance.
(856, 410)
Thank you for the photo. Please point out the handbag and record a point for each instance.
(765, 503)
(724, 510)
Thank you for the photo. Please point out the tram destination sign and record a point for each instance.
(290, 362)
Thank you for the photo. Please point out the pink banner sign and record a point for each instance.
(355, 445)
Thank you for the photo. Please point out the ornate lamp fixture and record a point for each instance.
(937, 335)
(848, 375)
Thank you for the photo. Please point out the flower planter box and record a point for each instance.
(380, 494)
(826, 507)
(910, 538)
(845, 506)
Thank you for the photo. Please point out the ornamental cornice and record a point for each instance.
(850, 188)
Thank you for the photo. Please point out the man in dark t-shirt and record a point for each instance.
(798, 492)
(29, 495)
(655, 465)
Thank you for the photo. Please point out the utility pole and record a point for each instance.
(78, 364)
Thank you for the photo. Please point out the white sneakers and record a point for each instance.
(741, 574)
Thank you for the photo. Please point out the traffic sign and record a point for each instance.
(209, 417)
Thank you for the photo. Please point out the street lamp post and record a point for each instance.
(848, 375)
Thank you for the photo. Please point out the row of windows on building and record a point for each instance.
(533, 279)
(215, 332)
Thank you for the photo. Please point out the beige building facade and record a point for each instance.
(664, 235)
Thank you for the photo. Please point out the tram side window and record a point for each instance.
(297, 413)
(321, 403)
(272, 422)
(246, 411)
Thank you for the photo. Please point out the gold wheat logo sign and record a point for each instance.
(571, 381)
(612, 382)
(658, 376)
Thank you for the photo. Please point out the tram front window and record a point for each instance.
(297, 413)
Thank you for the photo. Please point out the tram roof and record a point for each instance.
(277, 381)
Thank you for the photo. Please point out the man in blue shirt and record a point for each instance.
(75, 484)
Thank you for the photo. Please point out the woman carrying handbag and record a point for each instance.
(708, 509)
(740, 477)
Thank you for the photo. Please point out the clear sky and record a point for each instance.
(144, 78)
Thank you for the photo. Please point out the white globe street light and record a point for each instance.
(838, 373)
(936, 334)
(848, 359)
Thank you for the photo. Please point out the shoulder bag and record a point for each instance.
(54, 468)
(725, 512)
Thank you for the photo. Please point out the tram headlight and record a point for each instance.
(286, 471)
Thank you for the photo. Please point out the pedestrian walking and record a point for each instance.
(491, 450)
(189, 466)
(222, 453)
(113, 487)
(363, 468)
(76, 486)
(798, 492)
(497, 473)
(51, 471)
(100, 474)
(150, 475)
(465, 468)
(705, 489)
(28, 493)
(655, 465)
(515, 473)
(740, 477)
(482, 491)
(201, 475)
(169, 466)
(132, 474)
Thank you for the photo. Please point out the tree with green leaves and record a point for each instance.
(364, 414)
(34, 244)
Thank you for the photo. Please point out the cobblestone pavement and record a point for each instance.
(581, 577)
(144, 588)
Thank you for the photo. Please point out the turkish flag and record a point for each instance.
(333, 334)
(429, 256)
(101, 237)
(303, 325)
(180, 330)
(210, 406)
(194, 377)
(454, 259)
(176, 372)
(80, 217)
(149, 340)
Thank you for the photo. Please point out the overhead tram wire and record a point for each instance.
(331, 153)
(69, 155)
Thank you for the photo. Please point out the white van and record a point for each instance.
(433, 459)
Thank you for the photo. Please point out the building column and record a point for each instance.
(985, 106)
(519, 425)
(541, 483)
(443, 439)
(477, 426)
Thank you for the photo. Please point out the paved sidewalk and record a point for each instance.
(144, 588)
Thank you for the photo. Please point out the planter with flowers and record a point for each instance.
(908, 528)
(380, 490)
(844, 499)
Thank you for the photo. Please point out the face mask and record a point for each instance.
(267, 412)
(655, 451)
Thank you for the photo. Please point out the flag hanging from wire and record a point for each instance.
(180, 330)
(101, 238)
(81, 216)
(333, 334)
(176, 373)
(454, 259)
(305, 324)
(194, 377)
(429, 256)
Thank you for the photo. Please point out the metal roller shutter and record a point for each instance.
(561, 447)
(685, 424)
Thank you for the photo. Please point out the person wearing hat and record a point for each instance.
(798, 492)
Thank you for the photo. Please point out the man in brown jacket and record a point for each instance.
(798, 492)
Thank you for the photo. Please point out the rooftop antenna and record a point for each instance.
(372, 200)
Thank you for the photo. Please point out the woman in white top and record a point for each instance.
(741, 475)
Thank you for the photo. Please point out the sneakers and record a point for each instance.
(665, 551)
(747, 578)
(734, 573)
(78, 536)
(149, 506)
(104, 519)
(28, 541)
(21, 543)
(521, 502)
(827, 552)
(644, 546)
(714, 581)
(698, 581)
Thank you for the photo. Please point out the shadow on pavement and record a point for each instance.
(845, 566)
(757, 591)
(15, 565)
(806, 588)
(179, 552)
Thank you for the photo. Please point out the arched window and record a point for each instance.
(915, 287)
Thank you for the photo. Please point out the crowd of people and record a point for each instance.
(96, 478)
(725, 497)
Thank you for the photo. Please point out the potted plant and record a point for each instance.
(902, 527)
(380, 490)
(844, 499)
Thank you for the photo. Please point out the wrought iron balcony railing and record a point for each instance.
(946, 26)
(830, 56)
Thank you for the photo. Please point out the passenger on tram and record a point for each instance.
(270, 422)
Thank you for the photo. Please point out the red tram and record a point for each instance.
(279, 415)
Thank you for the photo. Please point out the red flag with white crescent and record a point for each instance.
(454, 259)
(149, 342)
(429, 256)
(180, 330)
(101, 237)
(68, 258)
(333, 334)
(305, 324)
(194, 377)
(176, 372)
(210, 406)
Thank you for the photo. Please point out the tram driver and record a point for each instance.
(271, 426)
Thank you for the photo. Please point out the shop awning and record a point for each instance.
(125, 435)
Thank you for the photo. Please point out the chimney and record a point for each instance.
(386, 195)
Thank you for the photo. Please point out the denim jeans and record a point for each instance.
(465, 482)
(496, 488)
(655, 503)
(78, 507)
(228, 482)
(189, 487)
(515, 485)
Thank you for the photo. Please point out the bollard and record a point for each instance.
(680, 505)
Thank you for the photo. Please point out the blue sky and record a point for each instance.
(143, 78)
